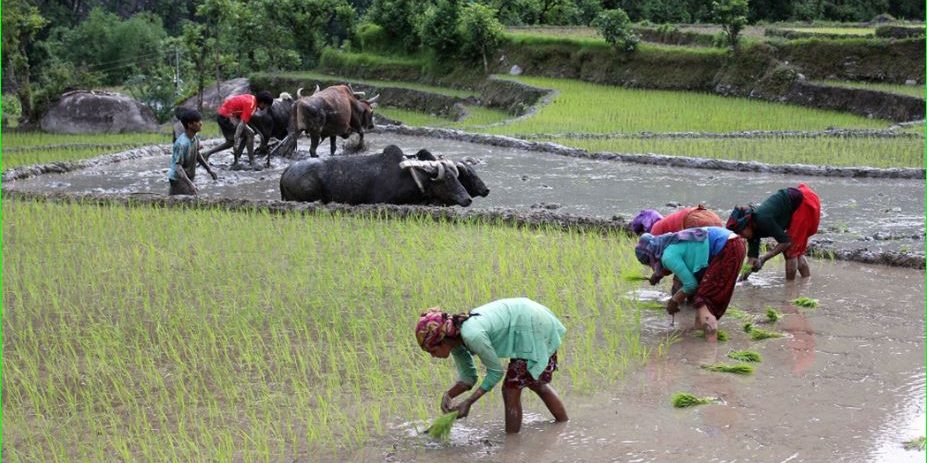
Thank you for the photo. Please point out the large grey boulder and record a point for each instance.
(212, 98)
(86, 111)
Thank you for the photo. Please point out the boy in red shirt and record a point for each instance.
(233, 117)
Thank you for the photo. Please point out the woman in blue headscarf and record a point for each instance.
(706, 260)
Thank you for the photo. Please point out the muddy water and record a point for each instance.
(846, 384)
(871, 213)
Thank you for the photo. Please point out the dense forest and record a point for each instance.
(160, 50)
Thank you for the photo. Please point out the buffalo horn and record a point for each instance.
(374, 99)
(440, 172)
(453, 168)
(316, 89)
(299, 93)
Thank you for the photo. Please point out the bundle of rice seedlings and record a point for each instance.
(651, 305)
(684, 399)
(441, 427)
(757, 334)
(633, 274)
(806, 302)
(745, 356)
(748, 327)
(915, 444)
(772, 315)
(738, 314)
(722, 335)
(739, 369)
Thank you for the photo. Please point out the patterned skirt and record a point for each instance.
(517, 375)
(717, 285)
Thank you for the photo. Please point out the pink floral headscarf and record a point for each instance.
(433, 326)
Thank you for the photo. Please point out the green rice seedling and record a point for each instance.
(738, 369)
(836, 151)
(722, 335)
(748, 327)
(745, 356)
(651, 305)
(638, 110)
(758, 334)
(685, 399)
(806, 302)
(900, 89)
(915, 444)
(772, 315)
(633, 273)
(440, 428)
(738, 314)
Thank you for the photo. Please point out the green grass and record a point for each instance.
(909, 90)
(476, 116)
(308, 75)
(685, 399)
(637, 110)
(835, 151)
(26, 148)
(440, 428)
(738, 369)
(745, 356)
(166, 334)
(853, 31)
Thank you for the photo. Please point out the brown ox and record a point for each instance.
(333, 112)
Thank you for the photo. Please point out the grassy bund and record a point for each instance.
(154, 334)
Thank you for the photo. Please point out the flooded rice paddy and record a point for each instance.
(857, 213)
(845, 384)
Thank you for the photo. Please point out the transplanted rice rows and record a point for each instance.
(833, 151)
(583, 107)
(26, 148)
(189, 335)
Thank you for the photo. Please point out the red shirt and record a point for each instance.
(240, 106)
(671, 223)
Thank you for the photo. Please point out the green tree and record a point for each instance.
(439, 31)
(20, 23)
(399, 20)
(732, 15)
(480, 32)
(615, 27)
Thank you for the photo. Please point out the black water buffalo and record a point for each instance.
(273, 122)
(467, 174)
(333, 112)
(387, 177)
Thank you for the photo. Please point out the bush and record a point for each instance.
(732, 15)
(480, 32)
(438, 29)
(615, 27)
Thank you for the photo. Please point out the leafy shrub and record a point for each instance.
(615, 27)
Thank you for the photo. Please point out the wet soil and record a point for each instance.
(846, 384)
(860, 215)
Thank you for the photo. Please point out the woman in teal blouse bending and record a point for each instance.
(519, 329)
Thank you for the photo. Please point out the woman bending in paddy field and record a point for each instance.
(706, 260)
(520, 329)
(791, 216)
(650, 221)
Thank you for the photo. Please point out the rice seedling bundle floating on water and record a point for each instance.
(684, 399)
(745, 356)
(441, 427)
(722, 335)
(757, 334)
(915, 444)
(772, 315)
(806, 302)
(739, 369)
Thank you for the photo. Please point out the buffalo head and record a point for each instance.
(367, 107)
(439, 181)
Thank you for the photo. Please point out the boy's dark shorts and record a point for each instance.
(517, 375)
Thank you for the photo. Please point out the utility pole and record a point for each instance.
(177, 81)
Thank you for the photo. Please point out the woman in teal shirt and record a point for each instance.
(706, 260)
(519, 329)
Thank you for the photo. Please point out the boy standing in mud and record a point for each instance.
(185, 155)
